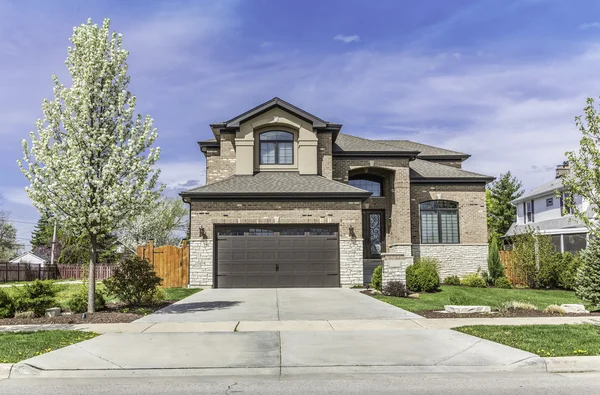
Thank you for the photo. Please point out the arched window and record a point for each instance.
(368, 182)
(276, 148)
(439, 222)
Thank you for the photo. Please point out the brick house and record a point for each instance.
(290, 201)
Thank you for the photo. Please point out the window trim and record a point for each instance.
(277, 142)
(529, 203)
(550, 202)
(439, 211)
(370, 177)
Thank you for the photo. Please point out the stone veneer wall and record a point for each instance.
(220, 162)
(324, 158)
(455, 259)
(345, 214)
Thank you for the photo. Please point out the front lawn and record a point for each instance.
(174, 294)
(543, 340)
(15, 347)
(493, 297)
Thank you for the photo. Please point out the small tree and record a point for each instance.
(495, 266)
(500, 211)
(8, 236)
(587, 286)
(91, 161)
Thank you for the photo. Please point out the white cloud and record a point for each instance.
(178, 176)
(347, 39)
(17, 196)
(589, 25)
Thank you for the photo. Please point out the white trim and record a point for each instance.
(563, 231)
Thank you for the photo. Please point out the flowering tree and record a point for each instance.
(165, 223)
(8, 236)
(91, 161)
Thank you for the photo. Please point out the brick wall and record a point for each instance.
(220, 162)
(324, 158)
(472, 219)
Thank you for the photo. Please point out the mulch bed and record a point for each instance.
(111, 315)
(515, 313)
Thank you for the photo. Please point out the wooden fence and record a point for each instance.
(10, 272)
(170, 263)
(515, 274)
(79, 272)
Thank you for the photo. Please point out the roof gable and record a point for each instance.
(266, 106)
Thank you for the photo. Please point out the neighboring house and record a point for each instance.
(543, 209)
(290, 201)
(30, 257)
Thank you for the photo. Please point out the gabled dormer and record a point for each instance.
(274, 136)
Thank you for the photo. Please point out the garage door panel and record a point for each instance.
(277, 256)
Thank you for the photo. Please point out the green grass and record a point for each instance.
(492, 297)
(15, 347)
(179, 293)
(543, 340)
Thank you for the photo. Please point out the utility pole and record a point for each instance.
(53, 243)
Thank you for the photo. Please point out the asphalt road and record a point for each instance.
(447, 383)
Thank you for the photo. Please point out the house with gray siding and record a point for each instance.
(291, 201)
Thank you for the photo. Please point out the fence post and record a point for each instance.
(18, 271)
(151, 251)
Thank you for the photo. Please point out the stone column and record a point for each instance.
(394, 267)
(399, 241)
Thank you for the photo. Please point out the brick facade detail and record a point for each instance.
(324, 158)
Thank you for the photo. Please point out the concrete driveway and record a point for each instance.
(286, 304)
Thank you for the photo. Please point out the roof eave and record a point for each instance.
(462, 157)
(411, 154)
(452, 180)
(273, 195)
(536, 195)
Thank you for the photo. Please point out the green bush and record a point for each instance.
(587, 284)
(549, 271)
(531, 251)
(7, 307)
(423, 276)
(395, 288)
(503, 282)
(134, 282)
(35, 297)
(495, 266)
(567, 276)
(377, 278)
(473, 280)
(79, 302)
(452, 280)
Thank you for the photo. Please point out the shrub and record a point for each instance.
(377, 278)
(459, 300)
(495, 266)
(79, 302)
(587, 284)
(423, 276)
(567, 276)
(530, 251)
(134, 282)
(555, 309)
(507, 307)
(503, 282)
(473, 280)
(395, 288)
(452, 280)
(549, 271)
(35, 297)
(7, 307)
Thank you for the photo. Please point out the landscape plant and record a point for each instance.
(473, 280)
(91, 162)
(78, 303)
(134, 282)
(7, 307)
(395, 288)
(587, 283)
(377, 278)
(35, 297)
(452, 280)
(495, 266)
(423, 275)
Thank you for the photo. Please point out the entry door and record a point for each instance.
(373, 233)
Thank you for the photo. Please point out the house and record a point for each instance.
(31, 258)
(290, 201)
(543, 209)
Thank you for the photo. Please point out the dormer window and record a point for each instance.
(276, 148)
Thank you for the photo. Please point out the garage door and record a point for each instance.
(277, 256)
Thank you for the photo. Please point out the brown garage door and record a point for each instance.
(277, 256)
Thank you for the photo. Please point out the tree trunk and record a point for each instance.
(92, 274)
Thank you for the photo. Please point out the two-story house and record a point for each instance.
(543, 209)
(290, 201)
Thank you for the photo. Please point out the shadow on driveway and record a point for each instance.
(182, 308)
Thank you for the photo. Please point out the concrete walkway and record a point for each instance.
(301, 325)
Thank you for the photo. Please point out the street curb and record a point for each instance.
(5, 369)
(573, 364)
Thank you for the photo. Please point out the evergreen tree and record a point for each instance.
(42, 233)
(495, 266)
(501, 213)
(587, 285)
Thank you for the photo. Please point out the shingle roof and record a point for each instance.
(567, 222)
(422, 169)
(549, 187)
(283, 184)
(346, 142)
(424, 149)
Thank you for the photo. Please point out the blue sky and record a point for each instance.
(501, 80)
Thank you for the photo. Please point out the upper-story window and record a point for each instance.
(529, 211)
(439, 222)
(276, 148)
(564, 208)
(368, 182)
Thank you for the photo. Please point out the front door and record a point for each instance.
(373, 233)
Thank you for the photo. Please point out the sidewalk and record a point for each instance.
(279, 326)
